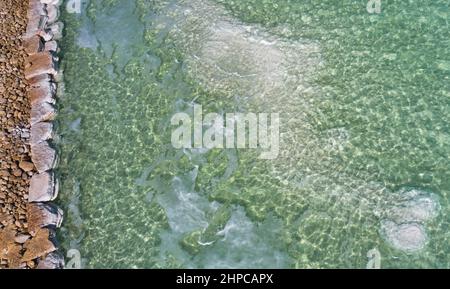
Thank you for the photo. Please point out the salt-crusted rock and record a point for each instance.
(46, 34)
(39, 245)
(40, 63)
(403, 224)
(41, 215)
(42, 112)
(43, 156)
(54, 260)
(51, 46)
(33, 45)
(406, 237)
(41, 131)
(43, 187)
(52, 13)
(52, 2)
(57, 30)
(419, 209)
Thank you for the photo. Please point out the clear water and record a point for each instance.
(364, 103)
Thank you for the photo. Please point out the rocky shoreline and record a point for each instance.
(28, 84)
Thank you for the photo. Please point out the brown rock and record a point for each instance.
(38, 80)
(9, 250)
(26, 166)
(33, 45)
(41, 94)
(12, 253)
(41, 215)
(7, 235)
(40, 63)
(43, 156)
(38, 246)
(43, 187)
(42, 112)
(17, 172)
(4, 173)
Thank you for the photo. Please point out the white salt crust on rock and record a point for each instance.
(43, 187)
(40, 71)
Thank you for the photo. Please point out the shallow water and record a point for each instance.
(364, 134)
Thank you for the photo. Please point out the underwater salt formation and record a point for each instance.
(404, 225)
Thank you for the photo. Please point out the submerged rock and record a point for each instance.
(404, 223)
(405, 237)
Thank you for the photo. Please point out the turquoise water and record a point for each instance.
(364, 104)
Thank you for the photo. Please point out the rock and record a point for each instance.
(41, 215)
(405, 237)
(7, 235)
(26, 166)
(35, 8)
(17, 172)
(40, 63)
(42, 112)
(33, 45)
(52, 13)
(38, 95)
(13, 255)
(39, 80)
(43, 187)
(43, 156)
(46, 34)
(35, 25)
(38, 246)
(9, 250)
(40, 132)
(22, 238)
(57, 30)
(51, 46)
(403, 223)
(418, 210)
(54, 260)
(52, 2)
